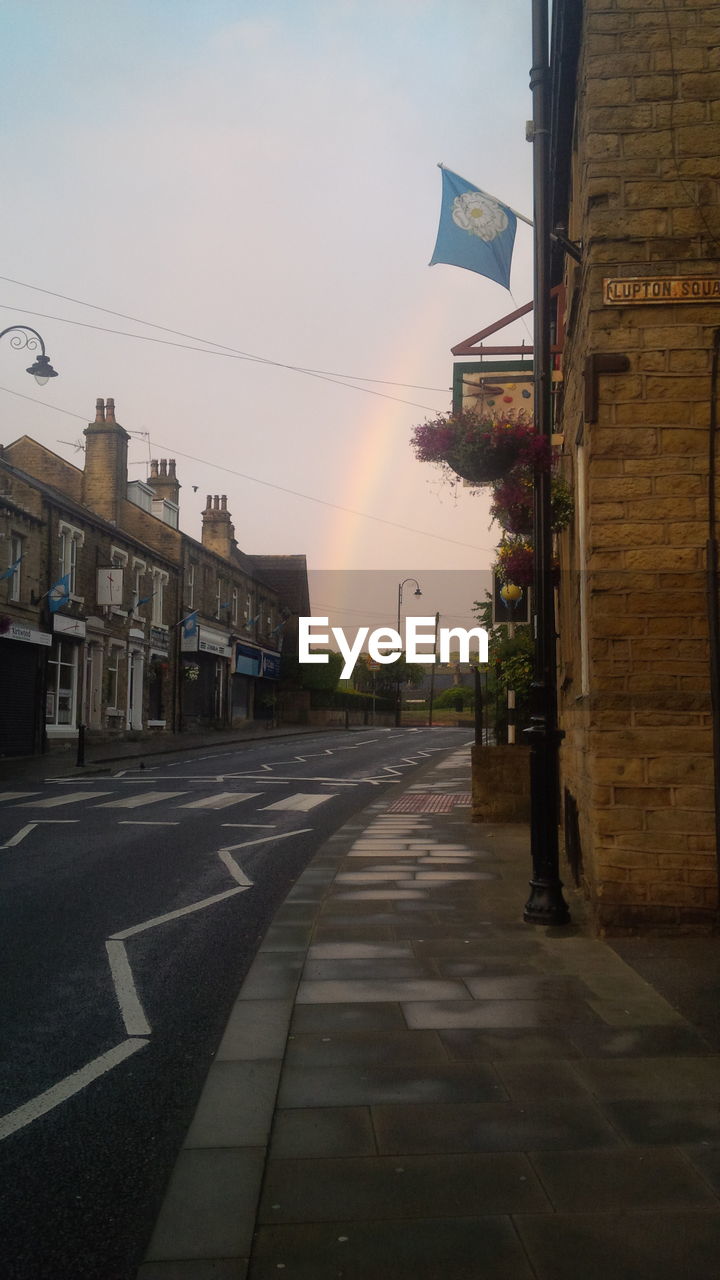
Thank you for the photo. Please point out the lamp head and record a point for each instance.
(42, 370)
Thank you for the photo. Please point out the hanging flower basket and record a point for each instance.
(191, 672)
(512, 504)
(515, 562)
(481, 450)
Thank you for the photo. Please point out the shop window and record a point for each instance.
(61, 685)
(112, 677)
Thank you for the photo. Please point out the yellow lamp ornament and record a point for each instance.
(511, 593)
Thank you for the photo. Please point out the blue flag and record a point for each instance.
(190, 626)
(476, 231)
(8, 573)
(59, 594)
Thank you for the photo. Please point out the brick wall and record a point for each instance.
(638, 751)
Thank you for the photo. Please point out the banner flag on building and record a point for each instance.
(476, 231)
(190, 626)
(59, 594)
(11, 569)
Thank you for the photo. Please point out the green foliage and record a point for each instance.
(387, 678)
(510, 666)
(321, 675)
(457, 698)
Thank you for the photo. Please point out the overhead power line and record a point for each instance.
(268, 484)
(343, 378)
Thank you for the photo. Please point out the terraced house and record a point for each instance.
(634, 174)
(110, 617)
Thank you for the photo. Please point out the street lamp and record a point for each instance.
(416, 592)
(546, 904)
(41, 368)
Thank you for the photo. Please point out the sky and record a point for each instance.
(261, 176)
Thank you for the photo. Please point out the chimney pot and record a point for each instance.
(99, 410)
(163, 466)
(223, 502)
(171, 468)
(153, 468)
(110, 410)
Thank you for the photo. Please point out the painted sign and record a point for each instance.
(641, 290)
(110, 586)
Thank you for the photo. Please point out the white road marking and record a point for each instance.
(140, 822)
(66, 1088)
(220, 801)
(19, 835)
(175, 915)
(133, 1014)
(245, 844)
(134, 802)
(236, 872)
(261, 826)
(17, 795)
(54, 801)
(301, 802)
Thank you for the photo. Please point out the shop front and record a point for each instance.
(22, 661)
(204, 678)
(63, 685)
(257, 671)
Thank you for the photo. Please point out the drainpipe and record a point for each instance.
(713, 610)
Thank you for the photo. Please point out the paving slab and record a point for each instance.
(424, 1086)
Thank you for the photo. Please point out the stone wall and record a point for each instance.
(635, 706)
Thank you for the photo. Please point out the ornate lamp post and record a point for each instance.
(25, 338)
(416, 592)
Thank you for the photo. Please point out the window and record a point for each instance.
(138, 569)
(70, 540)
(218, 598)
(235, 606)
(16, 552)
(190, 595)
(159, 582)
(112, 676)
(61, 684)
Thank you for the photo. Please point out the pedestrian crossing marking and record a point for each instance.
(301, 801)
(221, 801)
(134, 802)
(16, 795)
(54, 801)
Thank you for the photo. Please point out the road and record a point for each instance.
(133, 904)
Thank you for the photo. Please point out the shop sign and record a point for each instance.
(18, 631)
(220, 650)
(634, 290)
(270, 665)
(62, 625)
(248, 659)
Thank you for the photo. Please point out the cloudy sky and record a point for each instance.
(261, 174)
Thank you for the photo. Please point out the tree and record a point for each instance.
(387, 677)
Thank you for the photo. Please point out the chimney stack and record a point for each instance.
(104, 482)
(163, 481)
(218, 532)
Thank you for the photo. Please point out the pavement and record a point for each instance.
(415, 1085)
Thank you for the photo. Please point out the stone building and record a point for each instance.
(156, 632)
(634, 175)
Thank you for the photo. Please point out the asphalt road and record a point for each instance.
(133, 904)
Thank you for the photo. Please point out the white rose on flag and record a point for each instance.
(477, 213)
